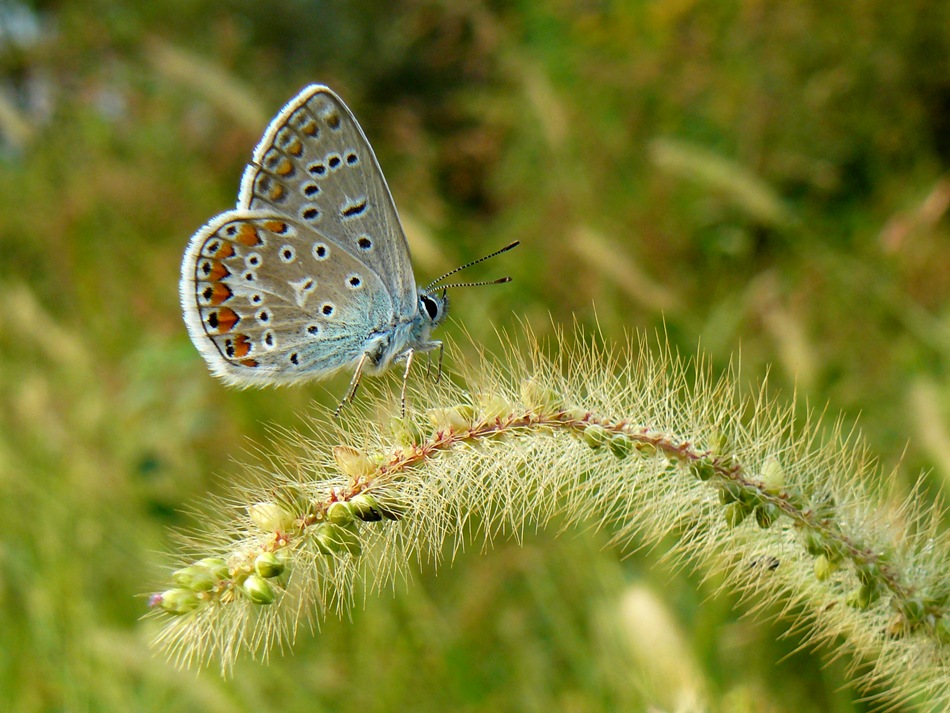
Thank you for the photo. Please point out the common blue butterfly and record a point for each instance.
(310, 273)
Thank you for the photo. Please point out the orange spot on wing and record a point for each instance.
(218, 272)
(285, 167)
(295, 148)
(310, 128)
(247, 235)
(225, 251)
(220, 293)
(276, 192)
(276, 226)
(226, 319)
(242, 345)
(248, 362)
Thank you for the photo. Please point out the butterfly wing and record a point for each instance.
(271, 300)
(315, 165)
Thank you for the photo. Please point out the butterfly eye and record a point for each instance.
(430, 306)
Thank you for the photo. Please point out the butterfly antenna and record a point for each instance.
(499, 281)
(474, 262)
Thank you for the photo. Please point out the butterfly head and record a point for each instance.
(433, 309)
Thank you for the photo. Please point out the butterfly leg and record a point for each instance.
(354, 385)
(405, 380)
(438, 374)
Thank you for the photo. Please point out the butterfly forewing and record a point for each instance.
(315, 166)
(246, 272)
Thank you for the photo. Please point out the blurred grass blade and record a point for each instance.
(208, 79)
(606, 257)
(13, 125)
(748, 191)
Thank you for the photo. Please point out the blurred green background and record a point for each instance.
(753, 175)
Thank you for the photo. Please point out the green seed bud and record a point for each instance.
(765, 515)
(729, 492)
(492, 407)
(258, 590)
(540, 398)
(942, 629)
(898, 626)
(735, 513)
(195, 577)
(824, 567)
(825, 510)
(868, 572)
(390, 509)
(814, 543)
(455, 418)
(862, 597)
(576, 414)
(773, 476)
(620, 445)
(405, 432)
(647, 450)
(335, 539)
(271, 517)
(178, 601)
(352, 462)
(365, 507)
(702, 470)
(216, 565)
(340, 513)
(595, 436)
(914, 610)
(267, 565)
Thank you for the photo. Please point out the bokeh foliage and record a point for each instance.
(754, 175)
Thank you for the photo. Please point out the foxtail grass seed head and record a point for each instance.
(497, 464)
(271, 517)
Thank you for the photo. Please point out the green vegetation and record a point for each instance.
(767, 178)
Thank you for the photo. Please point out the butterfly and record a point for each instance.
(311, 272)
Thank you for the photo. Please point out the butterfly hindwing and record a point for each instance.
(270, 300)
